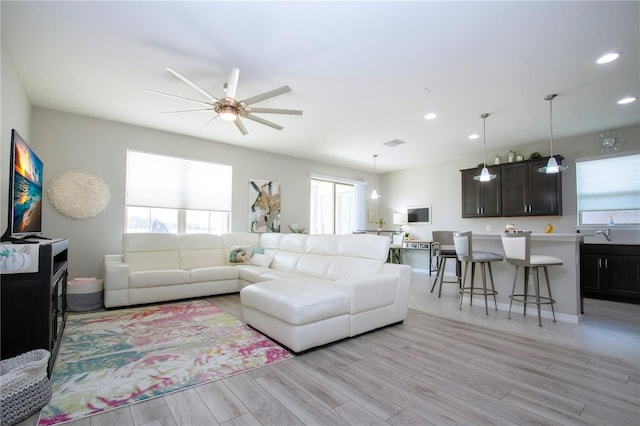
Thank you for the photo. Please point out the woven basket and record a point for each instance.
(24, 386)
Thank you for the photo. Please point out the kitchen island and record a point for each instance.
(565, 279)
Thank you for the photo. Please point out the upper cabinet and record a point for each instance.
(481, 199)
(527, 192)
(518, 190)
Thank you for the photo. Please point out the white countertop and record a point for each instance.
(536, 236)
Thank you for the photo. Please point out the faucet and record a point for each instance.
(607, 234)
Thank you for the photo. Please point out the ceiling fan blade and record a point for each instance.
(192, 84)
(178, 97)
(275, 111)
(187, 110)
(263, 121)
(266, 95)
(209, 122)
(232, 83)
(240, 126)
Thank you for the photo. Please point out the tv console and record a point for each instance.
(33, 305)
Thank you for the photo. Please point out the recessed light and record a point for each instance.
(474, 136)
(430, 116)
(627, 100)
(609, 57)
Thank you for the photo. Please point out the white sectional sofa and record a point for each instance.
(301, 290)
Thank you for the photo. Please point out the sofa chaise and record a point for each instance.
(301, 290)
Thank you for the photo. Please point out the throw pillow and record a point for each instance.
(263, 260)
(239, 255)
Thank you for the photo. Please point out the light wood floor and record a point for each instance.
(426, 371)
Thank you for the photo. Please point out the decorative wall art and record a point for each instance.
(264, 205)
(78, 195)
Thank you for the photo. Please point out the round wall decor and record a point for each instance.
(78, 195)
(610, 141)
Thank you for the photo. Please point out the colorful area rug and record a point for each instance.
(110, 359)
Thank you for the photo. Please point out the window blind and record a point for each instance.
(608, 189)
(170, 182)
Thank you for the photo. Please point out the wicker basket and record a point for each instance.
(24, 385)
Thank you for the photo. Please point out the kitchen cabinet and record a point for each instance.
(527, 192)
(481, 199)
(610, 272)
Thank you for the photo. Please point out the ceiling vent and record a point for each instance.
(394, 143)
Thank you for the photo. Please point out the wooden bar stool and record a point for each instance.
(446, 250)
(517, 250)
(464, 250)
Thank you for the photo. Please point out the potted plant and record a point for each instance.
(380, 223)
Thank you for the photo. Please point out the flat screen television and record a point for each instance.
(419, 214)
(25, 191)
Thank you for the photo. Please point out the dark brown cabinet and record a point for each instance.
(34, 304)
(527, 192)
(481, 199)
(610, 272)
(518, 190)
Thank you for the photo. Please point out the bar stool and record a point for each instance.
(464, 250)
(517, 250)
(446, 250)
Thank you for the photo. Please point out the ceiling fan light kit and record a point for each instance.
(484, 175)
(552, 166)
(230, 109)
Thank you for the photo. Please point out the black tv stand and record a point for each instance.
(33, 304)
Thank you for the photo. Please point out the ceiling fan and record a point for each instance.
(228, 108)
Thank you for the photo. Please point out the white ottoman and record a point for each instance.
(299, 313)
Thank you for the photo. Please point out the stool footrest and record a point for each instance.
(530, 298)
(477, 291)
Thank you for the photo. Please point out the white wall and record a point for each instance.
(72, 142)
(16, 114)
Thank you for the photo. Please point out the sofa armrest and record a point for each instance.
(116, 273)
(370, 292)
(403, 272)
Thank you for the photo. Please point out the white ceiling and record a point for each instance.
(363, 72)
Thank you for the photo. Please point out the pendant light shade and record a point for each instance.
(374, 193)
(484, 175)
(552, 165)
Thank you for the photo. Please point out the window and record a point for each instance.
(608, 190)
(169, 194)
(337, 205)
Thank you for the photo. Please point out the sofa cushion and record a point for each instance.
(200, 251)
(158, 278)
(296, 301)
(367, 246)
(323, 244)
(239, 255)
(149, 251)
(313, 265)
(347, 267)
(263, 260)
(152, 260)
(270, 240)
(293, 242)
(285, 261)
(214, 273)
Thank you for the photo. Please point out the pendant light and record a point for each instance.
(552, 165)
(484, 175)
(374, 193)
